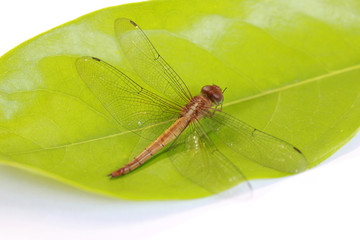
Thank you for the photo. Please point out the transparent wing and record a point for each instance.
(254, 144)
(131, 105)
(195, 157)
(147, 62)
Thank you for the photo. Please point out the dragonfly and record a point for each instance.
(169, 115)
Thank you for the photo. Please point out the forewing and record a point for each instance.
(254, 144)
(195, 157)
(148, 64)
(131, 105)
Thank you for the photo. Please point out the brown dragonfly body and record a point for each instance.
(197, 108)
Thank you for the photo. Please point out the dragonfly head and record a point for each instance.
(214, 93)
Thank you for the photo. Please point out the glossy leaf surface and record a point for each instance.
(292, 70)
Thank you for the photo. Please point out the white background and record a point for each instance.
(322, 203)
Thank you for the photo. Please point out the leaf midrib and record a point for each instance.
(264, 93)
(286, 87)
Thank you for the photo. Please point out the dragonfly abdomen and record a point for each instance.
(168, 136)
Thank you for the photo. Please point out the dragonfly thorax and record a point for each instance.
(197, 108)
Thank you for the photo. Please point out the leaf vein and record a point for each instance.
(289, 86)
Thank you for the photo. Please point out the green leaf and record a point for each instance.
(292, 69)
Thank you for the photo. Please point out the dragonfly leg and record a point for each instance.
(215, 110)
